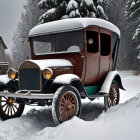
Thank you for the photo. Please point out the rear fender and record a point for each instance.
(112, 75)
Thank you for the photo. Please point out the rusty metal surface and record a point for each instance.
(91, 68)
(60, 71)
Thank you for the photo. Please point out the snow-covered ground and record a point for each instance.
(117, 123)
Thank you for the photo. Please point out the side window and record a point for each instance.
(92, 41)
(105, 40)
(114, 44)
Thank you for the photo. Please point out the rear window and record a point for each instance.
(105, 41)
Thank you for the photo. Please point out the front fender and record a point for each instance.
(112, 75)
(11, 84)
(65, 78)
(2, 86)
(69, 79)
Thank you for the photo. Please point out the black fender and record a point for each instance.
(71, 80)
(2, 86)
(13, 84)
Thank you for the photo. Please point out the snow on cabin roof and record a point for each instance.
(71, 25)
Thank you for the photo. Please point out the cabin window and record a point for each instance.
(43, 44)
(105, 41)
(92, 42)
(69, 41)
(57, 43)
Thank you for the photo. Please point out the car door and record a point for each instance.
(92, 57)
(105, 54)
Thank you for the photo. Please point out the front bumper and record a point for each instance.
(27, 95)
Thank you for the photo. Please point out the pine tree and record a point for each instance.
(62, 9)
(133, 12)
(29, 19)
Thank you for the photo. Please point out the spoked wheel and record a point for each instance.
(66, 104)
(114, 96)
(9, 108)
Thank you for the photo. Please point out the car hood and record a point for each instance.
(51, 63)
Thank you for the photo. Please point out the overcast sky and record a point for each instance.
(10, 12)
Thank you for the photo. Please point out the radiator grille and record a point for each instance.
(29, 79)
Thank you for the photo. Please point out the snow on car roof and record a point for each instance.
(71, 25)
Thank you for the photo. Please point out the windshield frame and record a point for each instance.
(53, 53)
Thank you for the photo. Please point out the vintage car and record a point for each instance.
(71, 59)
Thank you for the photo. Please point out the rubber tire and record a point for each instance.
(106, 97)
(2, 114)
(57, 98)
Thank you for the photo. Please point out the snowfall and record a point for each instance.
(121, 122)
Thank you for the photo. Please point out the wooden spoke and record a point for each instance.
(109, 102)
(69, 97)
(9, 110)
(4, 105)
(5, 97)
(15, 106)
(6, 108)
(3, 101)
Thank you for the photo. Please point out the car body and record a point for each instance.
(71, 58)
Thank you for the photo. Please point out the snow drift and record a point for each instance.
(117, 123)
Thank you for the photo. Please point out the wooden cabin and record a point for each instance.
(3, 64)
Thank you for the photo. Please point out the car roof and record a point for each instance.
(71, 24)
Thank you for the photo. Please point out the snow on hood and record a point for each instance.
(52, 63)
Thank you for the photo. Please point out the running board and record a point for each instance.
(27, 95)
(99, 94)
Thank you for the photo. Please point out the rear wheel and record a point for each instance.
(66, 104)
(113, 97)
(9, 108)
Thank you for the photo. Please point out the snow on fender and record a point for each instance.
(108, 80)
(65, 78)
(4, 79)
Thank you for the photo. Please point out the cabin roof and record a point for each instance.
(71, 25)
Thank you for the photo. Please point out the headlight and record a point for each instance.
(12, 74)
(47, 73)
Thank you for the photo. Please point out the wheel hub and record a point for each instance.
(10, 101)
(68, 106)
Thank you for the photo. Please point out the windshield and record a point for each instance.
(62, 42)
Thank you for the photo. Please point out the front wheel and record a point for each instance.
(9, 108)
(113, 97)
(66, 104)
